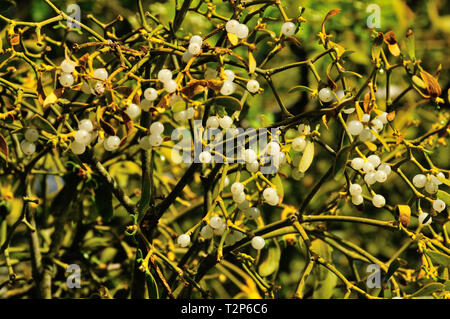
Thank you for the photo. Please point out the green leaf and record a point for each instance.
(276, 180)
(428, 289)
(152, 287)
(340, 161)
(178, 106)
(307, 157)
(272, 262)
(103, 201)
(411, 45)
(40, 123)
(301, 88)
(438, 258)
(230, 103)
(444, 196)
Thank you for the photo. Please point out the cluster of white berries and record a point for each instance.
(239, 29)
(165, 76)
(237, 190)
(155, 138)
(83, 137)
(195, 45)
(228, 86)
(374, 172)
(362, 128)
(28, 145)
(66, 78)
(430, 182)
(184, 115)
(299, 143)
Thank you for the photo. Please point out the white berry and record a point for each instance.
(250, 155)
(31, 135)
(232, 26)
(86, 125)
(212, 122)
(380, 176)
(355, 189)
(253, 86)
(196, 39)
(326, 95)
(365, 118)
(252, 167)
(155, 140)
(157, 128)
(67, 66)
(194, 48)
(164, 75)
(425, 219)
(438, 205)
(355, 127)
(385, 168)
(431, 187)
(357, 163)
(207, 232)
(253, 213)
(298, 144)
(170, 86)
(111, 143)
(239, 197)
(273, 148)
(378, 201)
(215, 222)
(370, 178)
(242, 31)
(258, 242)
(225, 122)
(27, 147)
(419, 180)
(205, 157)
(377, 125)
(229, 75)
(368, 167)
(150, 94)
(227, 88)
(357, 200)
(133, 111)
(82, 136)
(270, 195)
(184, 240)
(101, 74)
(77, 147)
(288, 29)
(375, 160)
(66, 79)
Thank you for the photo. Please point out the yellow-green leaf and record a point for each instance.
(53, 97)
(438, 258)
(404, 212)
(234, 40)
(444, 196)
(307, 157)
(272, 262)
(251, 63)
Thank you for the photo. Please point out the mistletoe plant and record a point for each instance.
(133, 156)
